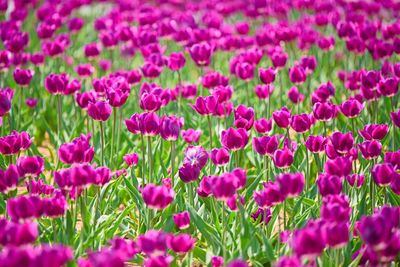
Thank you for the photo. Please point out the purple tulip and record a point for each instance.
(182, 220)
(329, 184)
(196, 156)
(23, 77)
(131, 159)
(316, 144)
(265, 145)
(264, 91)
(301, 123)
(14, 143)
(395, 118)
(191, 136)
(267, 76)
(342, 142)
(355, 179)
(282, 117)
(307, 242)
(170, 127)
(176, 61)
(335, 208)
(295, 96)
(30, 165)
(9, 178)
(244, 117)
(189, 173)
(374, 131)
(370, 149)
(263, 126)
(383, 174)
(351, 108)
(234, 139)
(201, 54)
(157, 196)
(283, 158)
(291, 184)
(78, 151)
(205, 105)
(270, 195)
(181, 243)
(324, 111)
(220, 156)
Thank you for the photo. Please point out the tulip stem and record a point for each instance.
(281, 87)
(307, 164)
(143, 159)
(284, 214)
(102, 142)
(266, 167)
(113, 137)
(190, 194)
(394, 127)
(172, 161)
(211, 141)
(59, 117)
(223, 220)
(149, 155)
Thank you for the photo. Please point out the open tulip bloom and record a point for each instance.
(199, 133)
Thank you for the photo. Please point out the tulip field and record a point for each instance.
(199, 133)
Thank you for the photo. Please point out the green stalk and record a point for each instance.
(102, 142)
(150, 160)
(211, 145)
(59, 117)
(114, 125)
(173, 161)
(143, 158)
(307, 165)
(223, 219)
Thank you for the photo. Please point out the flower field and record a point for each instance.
(199, 133)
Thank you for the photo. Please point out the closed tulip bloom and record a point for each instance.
(351, 108)
(245, 71)
(286, 261)
(264, 91)
(279, 59)
(188, 91)
(176, 61)
(78, 151)
(220, 156)
(99, 111)
(283, 158)
(267, 76)
(393, 158)
(157, 261)
(374, 230)
(132, 124)
(370, 149)
(290, 184)
(170, 127)
(92, 50)
(201, 54)
(395, 118)
(244, 117)
(265, 145)
(6, 96)
(369, 79)
(149, 124)
(56, 83)
(17, 234)
(342, 142)
(191, 136)
(153, 242)
(355, 179)
(23, 77)
(234, 139)
(14, 143)
(157, 196)
(316, 144)
(324, 111)
(282, 117)
(395, 184)
(213, 79)
(84, 70)
(263, 126)
(150, 102)
(374, 131)
(383, 174)
(336, 208)
(389, 86)
(205, 105)
(151, 70)
(270, 195)
(224, 186)
(131, 159)
(24, 207)
(337, 234)
(30, 165)
(189, 173)
(295, 96)
(83, 99)
(205, 185)
(182, 220)
(301, 123)
(217, 261)
(329, 184)
(340, 166)
(308, 63)
(297, 75)
(307, 242)
(9, 178)
(181, 243)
